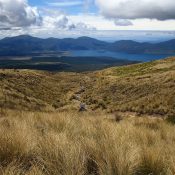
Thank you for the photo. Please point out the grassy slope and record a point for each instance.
(34, 90)
(69, 144)
(143, 88)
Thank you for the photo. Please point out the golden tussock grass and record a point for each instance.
(84, 144)
(147, 88)
(50, 142)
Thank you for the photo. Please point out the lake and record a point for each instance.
(117, 55)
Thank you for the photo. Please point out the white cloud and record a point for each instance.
(17, 13)
(58, 20)
(102, 23)
(18, 17)
(123, 22)
(137, 9)
(81, 26)
(22, 15)
(99, 22)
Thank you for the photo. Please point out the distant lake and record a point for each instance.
(118, 55)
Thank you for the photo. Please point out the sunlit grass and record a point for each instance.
(70, 143)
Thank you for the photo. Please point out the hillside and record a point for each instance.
(128, 127)
(143, 88)
(27, 45)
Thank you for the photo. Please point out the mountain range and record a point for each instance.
(27, 45)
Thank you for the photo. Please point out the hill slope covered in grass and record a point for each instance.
(142, 88)
(92, 144)
(41, 132)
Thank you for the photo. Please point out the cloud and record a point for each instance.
(81, 26)
(5, 28)
(137, 9)
(65, 3)
(123, 22)
(56, 19)
(22, 15)
(17, 13)
(62, 21)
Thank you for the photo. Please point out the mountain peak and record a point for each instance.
(19, 37)
(86, 38)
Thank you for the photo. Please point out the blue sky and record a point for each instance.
(70, 7)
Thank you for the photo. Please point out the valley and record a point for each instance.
(57, 63)
(142, 88)
(76, 55)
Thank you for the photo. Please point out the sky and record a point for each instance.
(66, 18)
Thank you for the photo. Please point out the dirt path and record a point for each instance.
(78, 97)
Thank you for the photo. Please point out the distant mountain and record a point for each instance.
(28, 45)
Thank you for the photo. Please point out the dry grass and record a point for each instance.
(91, 143)
(142, 88)
(36, 90)
(147, 88)
(84, 144)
